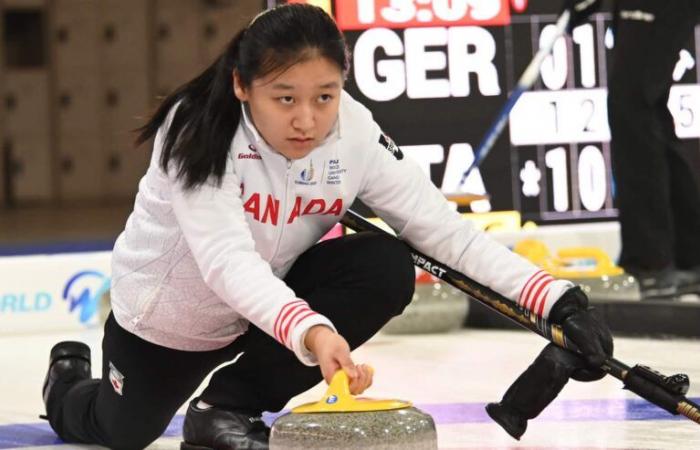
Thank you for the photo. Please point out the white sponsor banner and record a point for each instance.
(684, 104)
(52, 292)
(571, 116)
(556, 117)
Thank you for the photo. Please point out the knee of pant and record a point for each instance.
(398, 272)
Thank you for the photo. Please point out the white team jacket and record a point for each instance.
(192, 268)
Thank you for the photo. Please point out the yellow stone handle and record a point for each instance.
(339, 385)
(604, 266)
(560, 266)
(339, 399)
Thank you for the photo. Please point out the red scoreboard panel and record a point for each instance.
(361, 15)
(436, 72)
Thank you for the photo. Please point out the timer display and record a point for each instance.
(362, 14)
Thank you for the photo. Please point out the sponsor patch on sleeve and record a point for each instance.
(390, 145)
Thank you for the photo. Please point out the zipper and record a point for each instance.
(143, 305)
(283, 210)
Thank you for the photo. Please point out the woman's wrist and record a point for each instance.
(314, 335)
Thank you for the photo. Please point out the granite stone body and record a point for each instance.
(435, 308)
(400, 429)
(610, 288)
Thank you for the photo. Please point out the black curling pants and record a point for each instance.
(656, 187)
(359, 282)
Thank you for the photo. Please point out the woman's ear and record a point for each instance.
(238, 89)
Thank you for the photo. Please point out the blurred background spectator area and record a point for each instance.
(78, 76)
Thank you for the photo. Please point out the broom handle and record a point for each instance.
(643, 386)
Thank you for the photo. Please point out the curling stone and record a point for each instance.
(436, 307)
(622, 287)
(589, 267)
(340, 421)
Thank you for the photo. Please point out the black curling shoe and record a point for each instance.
(69, 363)
(219, 429)
(513, 423)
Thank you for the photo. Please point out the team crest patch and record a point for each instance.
(116, 378)
(306, 176)
(389, 144)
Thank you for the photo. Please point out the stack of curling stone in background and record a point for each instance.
(340, 421)
(436, 307)
(590, 267)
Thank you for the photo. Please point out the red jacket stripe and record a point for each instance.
(537, 290)
(285, 318)
(541, 294)
(521, 299)
(540, 310)
(308, 313)
(276, 327)
(287, 323)
(530, 285)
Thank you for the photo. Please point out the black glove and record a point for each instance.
(583, 327)
(580, 10)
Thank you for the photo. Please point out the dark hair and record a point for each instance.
(206, 119)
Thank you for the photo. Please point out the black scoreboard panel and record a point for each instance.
(435, 73)
(558, 133)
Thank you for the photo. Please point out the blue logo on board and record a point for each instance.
(83, 292)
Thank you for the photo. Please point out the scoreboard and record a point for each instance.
(435, 73)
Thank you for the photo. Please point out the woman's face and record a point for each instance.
(295, 110)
